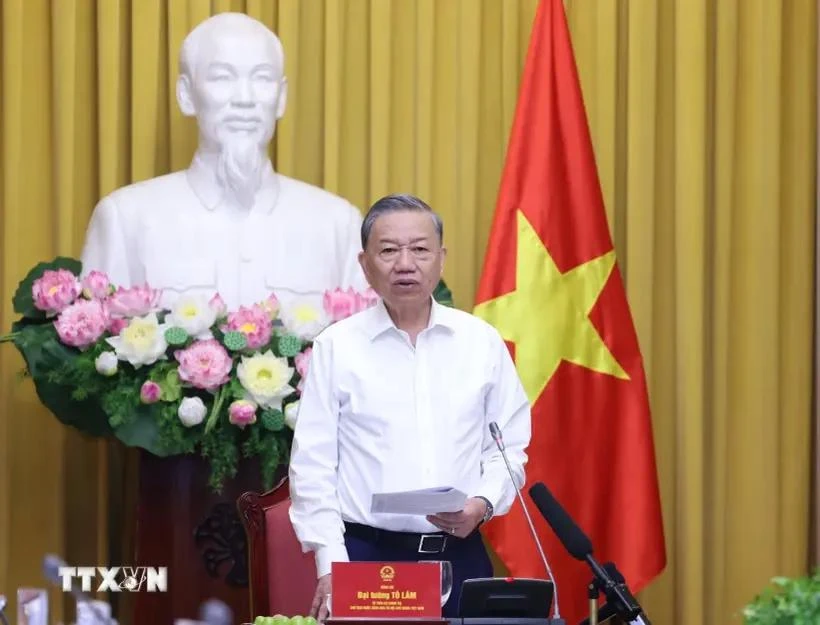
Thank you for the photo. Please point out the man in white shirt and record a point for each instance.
(229, 223)
(400, 397)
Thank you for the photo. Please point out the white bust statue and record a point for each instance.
(229, 223)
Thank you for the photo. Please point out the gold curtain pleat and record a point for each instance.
(703, 118)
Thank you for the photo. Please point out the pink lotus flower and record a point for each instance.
(340, 304)
(96, 285)
(218, 305)
(205, 364)
(55, 290)
(242, 412)
(271, 306)
(301, 361)
(366, 300)
(136, 301)
(116, 325)
(150, 392)
(254, 323)
(82, 323)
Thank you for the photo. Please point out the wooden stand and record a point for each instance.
(183, 525)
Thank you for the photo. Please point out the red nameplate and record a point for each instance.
(392, 589)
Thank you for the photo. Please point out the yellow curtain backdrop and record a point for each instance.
(702, 114)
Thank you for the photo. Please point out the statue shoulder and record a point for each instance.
(315, 201)
(152, 192)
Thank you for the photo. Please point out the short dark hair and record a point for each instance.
(395, 203)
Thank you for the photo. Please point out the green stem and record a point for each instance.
(218, 401)
(7, 338)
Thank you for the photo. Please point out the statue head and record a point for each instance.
(232, 79)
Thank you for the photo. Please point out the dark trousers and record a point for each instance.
(468, 557)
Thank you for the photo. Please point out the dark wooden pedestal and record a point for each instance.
(183, 525)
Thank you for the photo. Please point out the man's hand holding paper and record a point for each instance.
(462, 523)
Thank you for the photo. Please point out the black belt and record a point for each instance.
(410, 541)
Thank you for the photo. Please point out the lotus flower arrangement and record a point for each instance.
(195, 378)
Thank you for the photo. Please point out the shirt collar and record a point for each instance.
(380, 321)
(203, 181)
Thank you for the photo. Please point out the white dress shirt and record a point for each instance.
(378, 415)
(180, 234)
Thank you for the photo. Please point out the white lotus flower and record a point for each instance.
(304, 320)
(266, 379)
(141, 342)
(194, 314)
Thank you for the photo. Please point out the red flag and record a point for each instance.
(552, 288)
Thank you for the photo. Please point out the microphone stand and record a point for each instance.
(610, 581)
(495, 431)
(612, 584)
(592, 590)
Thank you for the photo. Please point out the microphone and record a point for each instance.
(495, 432)
(580, 547)
(3, 603)
(215, 612)
(51, 571)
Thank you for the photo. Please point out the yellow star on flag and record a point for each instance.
(547, 315)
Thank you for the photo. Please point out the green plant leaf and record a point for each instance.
(171, 386)
(44, 354)
(173, 438)
(443, 295)
(253, 444)
(786, 601)
(142, 431)
(236, 390)
(221, 449)
(166, 374)
(271, 459)
(23, 300)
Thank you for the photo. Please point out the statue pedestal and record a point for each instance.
(183, 525)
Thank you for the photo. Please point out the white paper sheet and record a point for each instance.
(422, 502)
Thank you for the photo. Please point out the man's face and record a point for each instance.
(404, 259)
(238, 89)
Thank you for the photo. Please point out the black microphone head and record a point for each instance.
(51, 568)
(495, 432)
(574, 540)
